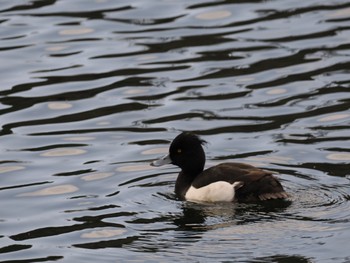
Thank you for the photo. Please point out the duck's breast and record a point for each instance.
(220, 191)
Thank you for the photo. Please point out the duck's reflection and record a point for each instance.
(207, 216)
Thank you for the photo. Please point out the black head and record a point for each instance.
(186, 151)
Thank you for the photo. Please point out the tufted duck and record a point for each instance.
(225, 182)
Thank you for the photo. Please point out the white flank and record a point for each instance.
(216, 192)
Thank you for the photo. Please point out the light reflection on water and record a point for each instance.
(91, 92)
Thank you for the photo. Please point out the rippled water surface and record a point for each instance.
(93, 90)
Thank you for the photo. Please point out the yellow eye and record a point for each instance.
(179, 150)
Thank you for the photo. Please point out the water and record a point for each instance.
(92, 91)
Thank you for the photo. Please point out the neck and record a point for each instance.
(183, 182)
(185, 178)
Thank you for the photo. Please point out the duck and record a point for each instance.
(225, 182)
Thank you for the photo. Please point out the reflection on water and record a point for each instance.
(54, 190)
(92, 91)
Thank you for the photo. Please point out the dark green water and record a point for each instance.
(91, 91)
